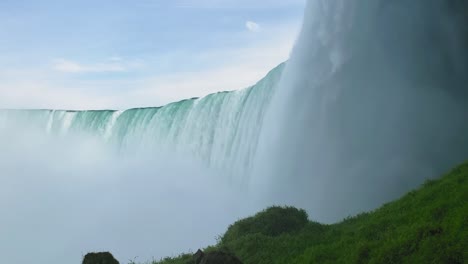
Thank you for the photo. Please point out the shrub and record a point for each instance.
(273, 222)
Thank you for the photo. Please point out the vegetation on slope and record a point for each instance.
(428, 225)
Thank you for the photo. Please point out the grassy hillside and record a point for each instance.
(428, 225)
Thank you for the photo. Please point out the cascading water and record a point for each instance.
(373, 100)
(141, 182)
(73, 182)
(221, 129)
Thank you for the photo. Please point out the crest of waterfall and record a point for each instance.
(220, 129)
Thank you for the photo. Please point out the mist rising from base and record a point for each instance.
(62, 198)
(373, 101)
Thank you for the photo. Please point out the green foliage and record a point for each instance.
(425, 226)
(181, 259)
(273, 221)
(99, 258)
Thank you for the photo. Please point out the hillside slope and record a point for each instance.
(428, 225)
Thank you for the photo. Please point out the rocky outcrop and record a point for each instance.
(99, 258)
(215, 257)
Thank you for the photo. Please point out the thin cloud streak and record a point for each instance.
(115, 64)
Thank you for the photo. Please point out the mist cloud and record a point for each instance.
(65, 197)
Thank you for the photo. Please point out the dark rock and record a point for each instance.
(215, 257)
(99, 258)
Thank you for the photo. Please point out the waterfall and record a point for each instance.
(373, 101)
(220, 129)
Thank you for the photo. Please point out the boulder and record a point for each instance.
(99, 258)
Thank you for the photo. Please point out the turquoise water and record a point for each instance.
(209, 128)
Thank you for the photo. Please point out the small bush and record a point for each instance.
(99, 258)
(273, 222)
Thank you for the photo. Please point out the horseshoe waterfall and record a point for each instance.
(372, 102)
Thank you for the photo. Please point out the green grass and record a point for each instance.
(428, 225)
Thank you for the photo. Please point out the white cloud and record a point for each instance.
(252, 26)
(69, 66)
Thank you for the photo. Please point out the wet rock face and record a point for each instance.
(215, 257)
(99, 258)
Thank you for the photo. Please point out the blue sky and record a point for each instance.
(120, 54)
